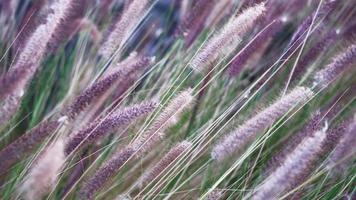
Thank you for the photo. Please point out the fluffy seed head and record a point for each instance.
(237, 64)
(122, 29)
(248, 131)
(216, 194)
(36, 45)
(314, 124)
(8, 107)
(101, 127)
(120, 74)
(299, 160)
(228, 38)
(105, 173)
(339, 64)
(11, 80)
(34, 50)
(44, 172)
(344, 151)
(166, 118)
(193, 21)
(26, 143)
(165, 162)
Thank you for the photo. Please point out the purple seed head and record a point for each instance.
(35, 48)
(340, 63)
(314, 52)
(35, 16)
(248, 131)
(44, 173)
(9, 82)
(102, 127)
(315, 123)
(165, 162)
(165, 119)
(105, 173)
(216, 194)
(237, 64)
(120, 74)
(223, 42)
(193, 22)
(8, 108)
(344, 151)
(26, 143)
(68, 25)
(325, 9)
(296, 162)
(123, 28)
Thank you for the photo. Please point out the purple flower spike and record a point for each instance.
(9, 81)
(324, 10)
(224, 41)
(105, 173)
(101, 127)
(313, 53)
(248, 131)
(339, 64)
(296, 162)
(315, 123)
(165, 162)
(193, 22)
(26, 143)
(95, 91)
(344, 151)
(237, 64)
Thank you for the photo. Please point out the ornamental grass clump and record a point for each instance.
(169, 99)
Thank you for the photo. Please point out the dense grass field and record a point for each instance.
(177, 99)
